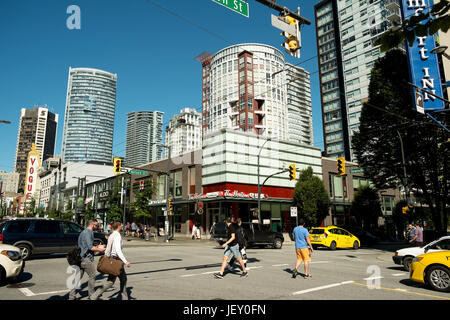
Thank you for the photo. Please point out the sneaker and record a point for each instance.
(294, 274)
(244, 275)
(307, 276)
(218, 275)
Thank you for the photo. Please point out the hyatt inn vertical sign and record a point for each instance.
(423, 65)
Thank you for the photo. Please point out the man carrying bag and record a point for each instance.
(112, 263)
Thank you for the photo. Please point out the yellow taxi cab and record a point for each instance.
(432, 269)
(333, 237)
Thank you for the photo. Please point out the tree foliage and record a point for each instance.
(141, 202)
(417, 26)
(366, 207)
(388, 115)
(311, 198)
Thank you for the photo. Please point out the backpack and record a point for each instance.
(74, 257)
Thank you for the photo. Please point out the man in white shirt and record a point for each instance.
(114, 249)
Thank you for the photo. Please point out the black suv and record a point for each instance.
(43, 236)
(256, 234)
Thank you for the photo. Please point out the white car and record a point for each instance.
(11, 262)
(405, 256)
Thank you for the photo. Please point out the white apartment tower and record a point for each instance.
(184, 133)
(89, 116)
(300, 127)
(144, 137)
(243, 89)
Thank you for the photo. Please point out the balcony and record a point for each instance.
(391, 4)
(394, 15)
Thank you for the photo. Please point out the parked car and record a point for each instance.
(333, 238)
(11, 262)
(256, 234)
(432, 269)
(365, 237)
(405, 256)
(43, 236)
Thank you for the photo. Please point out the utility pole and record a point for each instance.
(259, 187)
(167, 193)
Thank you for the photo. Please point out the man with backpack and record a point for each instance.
(87, 249)
(231, 247)
(242, 242)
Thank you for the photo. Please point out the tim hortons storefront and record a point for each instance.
(240, 201)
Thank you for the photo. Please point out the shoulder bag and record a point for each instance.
(108, 264)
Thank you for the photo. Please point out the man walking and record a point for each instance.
(86, 244)
(242, 242)
(417, 240)
(302, 247)
(231, 247)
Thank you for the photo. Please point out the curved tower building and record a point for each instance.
(89, 116)
(244, 88)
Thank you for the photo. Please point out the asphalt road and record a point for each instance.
(185, 272)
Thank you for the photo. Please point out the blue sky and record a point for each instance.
(151, 50)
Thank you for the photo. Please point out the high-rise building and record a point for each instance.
(245, 89)
(9, 181)
(89, 116)
(346, 31)
(144, 137)
(38, 126)
(300, 128)
(184, 133)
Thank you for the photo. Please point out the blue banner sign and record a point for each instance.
(423, 65)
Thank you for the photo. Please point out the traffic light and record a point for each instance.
(341, 166)
(292, 172)
(292, 42)
(141, 185)
(117, 165)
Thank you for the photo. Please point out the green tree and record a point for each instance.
(141, 208)
(366, 207)
(311, 198)
(388, 115)
(31, 208)
(115, 209)
(417, 26)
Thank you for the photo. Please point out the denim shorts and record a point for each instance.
(232, 250)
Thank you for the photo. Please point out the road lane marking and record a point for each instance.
(403, 291)
(373, 278)
(322, 287)
(280, 265)
(210, 272)
(287, 264)
(27, 292)
(399, 274)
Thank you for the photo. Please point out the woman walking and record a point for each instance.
(114, 250)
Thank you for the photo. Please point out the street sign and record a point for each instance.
(238, 6)
(357, 170)
(283, 25)
(293, 211)
(138, 172)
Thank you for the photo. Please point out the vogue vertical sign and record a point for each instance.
(31, 177)
(423, 65)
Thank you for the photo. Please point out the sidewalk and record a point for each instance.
(160, 241)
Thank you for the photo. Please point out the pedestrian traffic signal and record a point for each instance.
(292, 42)
(292, 172)
(341, 166)
(169, 210)
(117, 165)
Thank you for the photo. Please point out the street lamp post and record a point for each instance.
(259, 187)
(404, 168)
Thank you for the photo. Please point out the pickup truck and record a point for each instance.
(256, 235)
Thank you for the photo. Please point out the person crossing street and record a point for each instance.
(231, 247)
(302, 247)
